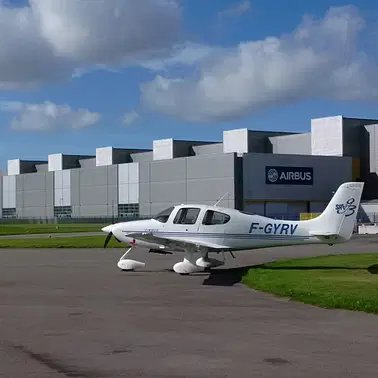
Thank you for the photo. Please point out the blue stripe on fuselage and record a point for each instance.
(222, 235)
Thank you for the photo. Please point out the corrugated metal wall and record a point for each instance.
(201, 179)
(34, 194)
(94, 191)
(62, 188)
(292, 144)
(128, 183)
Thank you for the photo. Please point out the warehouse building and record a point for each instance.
(270, 173)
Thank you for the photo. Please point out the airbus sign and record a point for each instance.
(289, 175)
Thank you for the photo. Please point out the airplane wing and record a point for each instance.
(174, 243)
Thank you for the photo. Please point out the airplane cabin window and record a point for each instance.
(186, 215)
(164, 215)
(215, 217)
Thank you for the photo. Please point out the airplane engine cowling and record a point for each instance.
(128, 264)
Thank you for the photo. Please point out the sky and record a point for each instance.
(80, 74)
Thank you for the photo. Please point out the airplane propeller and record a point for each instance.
(107, 240)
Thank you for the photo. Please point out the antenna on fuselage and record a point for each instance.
(220, 199)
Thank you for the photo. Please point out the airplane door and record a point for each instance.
(213, 224)
(187, 220)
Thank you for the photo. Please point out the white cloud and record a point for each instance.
(47, 116)
(236, 10)
(186, 54)
(50, 40)
(320, 59)
(130, 117)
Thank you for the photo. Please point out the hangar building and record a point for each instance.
(270, 173)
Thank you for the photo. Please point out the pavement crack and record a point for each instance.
(56, 365)
(276, 361)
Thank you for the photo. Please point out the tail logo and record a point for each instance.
(347, 208)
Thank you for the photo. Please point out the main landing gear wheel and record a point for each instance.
(194, 264)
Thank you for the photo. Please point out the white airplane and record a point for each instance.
(200, 230)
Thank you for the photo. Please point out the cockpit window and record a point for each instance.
(187, 215)
(215, 217)
(163, 215)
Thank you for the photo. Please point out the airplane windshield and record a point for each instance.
(163, 215)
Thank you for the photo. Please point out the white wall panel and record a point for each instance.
(14, 167)
(123, 193)
(9, 192)
(62, 188)
(104, 156)
(373, 147)
(327, 136)
(128, 183)
(370, 208)
(235, 141)
(123, 174)
(163, 149)
(55, 162)
(133, 173)
(133, 193)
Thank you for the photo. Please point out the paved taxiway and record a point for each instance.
(72, 313)
(52, 235)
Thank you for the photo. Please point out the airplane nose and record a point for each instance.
(107, 229)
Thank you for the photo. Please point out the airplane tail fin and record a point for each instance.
(339, 217)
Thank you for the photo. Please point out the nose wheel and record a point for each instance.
(128, 265)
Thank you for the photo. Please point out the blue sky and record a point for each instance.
(217, 66)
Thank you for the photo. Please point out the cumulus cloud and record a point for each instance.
(49, 40)
(181, 55)
(47, 116)
(130, 117)
(320, 59)
(237, 10)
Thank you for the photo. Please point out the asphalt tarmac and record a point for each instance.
(72, 313)
(52, 235)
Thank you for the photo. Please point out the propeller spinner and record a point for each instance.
(109, 230)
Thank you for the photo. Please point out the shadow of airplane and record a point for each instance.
(232, 276)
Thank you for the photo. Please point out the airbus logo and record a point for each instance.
(272, 175)
(289, 175)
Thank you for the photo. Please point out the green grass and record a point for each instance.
(65, 242)
(20, 229)
(342, 281)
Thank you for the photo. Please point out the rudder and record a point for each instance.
(340, 215)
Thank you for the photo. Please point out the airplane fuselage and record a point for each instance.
(241, 232)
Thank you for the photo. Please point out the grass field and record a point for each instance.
(69, 242)
(20, 229)
(343, 281)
